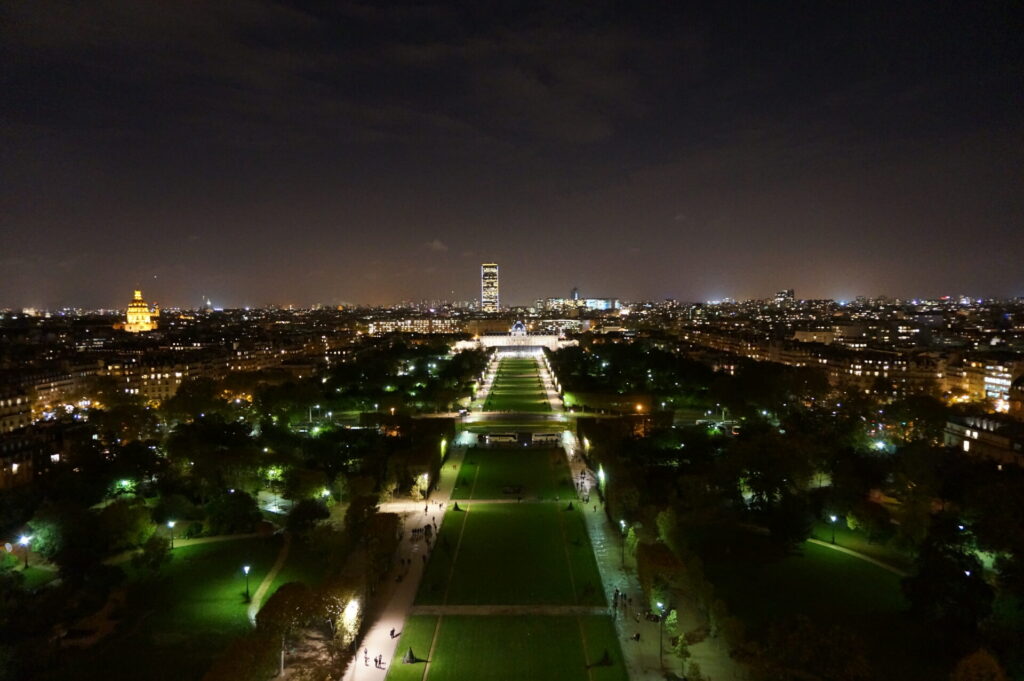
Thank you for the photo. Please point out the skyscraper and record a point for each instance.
(489, 287)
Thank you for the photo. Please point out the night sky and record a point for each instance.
(262, 152)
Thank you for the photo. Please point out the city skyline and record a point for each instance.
(559, 341)
(293, 152)
(213, 302)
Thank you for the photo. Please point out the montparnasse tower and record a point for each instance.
(140, 317)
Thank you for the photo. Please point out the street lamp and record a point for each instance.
(24, 541)
(832, 519)
(170, 526)
(661, 635)
(622, 525)
(245, 569)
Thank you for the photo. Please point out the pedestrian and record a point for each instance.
(392, 632)
(366, 657)
(425, 509)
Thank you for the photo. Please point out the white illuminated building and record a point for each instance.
(517, 342)
(489, 300)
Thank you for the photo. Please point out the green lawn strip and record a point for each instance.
(831, 588)
(36, 577)
(466, 482)
(516, 405)
(439, 567)
(599, 636)
(511, 554)
(522, 423)
(542, 473)
(305, 563)
(417, 634)
(174, 629)
(508, 648)
(857, 541)
(527, 403)
(585, 574)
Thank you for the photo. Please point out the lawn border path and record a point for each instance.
(282, 556)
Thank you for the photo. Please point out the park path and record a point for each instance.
(378, 639)
(261, 591)
(551, 610)
(641, 657)
(857, 554)
(181, 543)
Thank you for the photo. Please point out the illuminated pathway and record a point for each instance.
(378, 639)
(509, 569)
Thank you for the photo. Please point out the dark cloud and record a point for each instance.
(260, 149)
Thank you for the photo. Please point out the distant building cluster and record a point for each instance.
(56, 365)
(431, 324)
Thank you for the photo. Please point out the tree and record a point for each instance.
(301, 483)
(252, 657)
(790, 522)
(287, 609)
(155, 552)
(980, 665)
(948, 588)
(125, 524)
(194, 397)
(305, 514)
(232, 512)
(799, 648)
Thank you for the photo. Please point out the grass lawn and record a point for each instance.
(304, 564)
(512, 426)
(418, 634)
(858, 541)
(508, 648)
(174, 627)
(517, 400)
(487, 472)
(513, 554)
(36, 577)
(831, 588)
(517, 387)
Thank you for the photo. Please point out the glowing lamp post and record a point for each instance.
(170, 526)
(245, 569)
(832, 520)
(661, 634)
(24, 541)
(622, 526)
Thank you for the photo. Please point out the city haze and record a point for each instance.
(294, 153)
